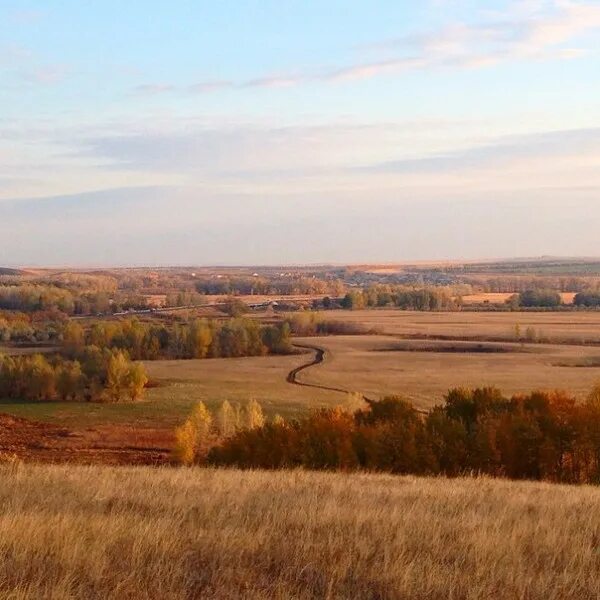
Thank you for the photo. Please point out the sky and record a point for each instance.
(192, 132)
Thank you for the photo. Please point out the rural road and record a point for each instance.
(318, 358)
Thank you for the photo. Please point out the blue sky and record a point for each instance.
(260, 132)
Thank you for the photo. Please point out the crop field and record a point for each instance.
(101, 532)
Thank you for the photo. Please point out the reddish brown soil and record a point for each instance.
(114, 445)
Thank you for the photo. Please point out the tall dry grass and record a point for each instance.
(98, 532)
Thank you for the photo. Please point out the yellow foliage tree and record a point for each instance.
(226, 419)
(253, 416)
(192, 439)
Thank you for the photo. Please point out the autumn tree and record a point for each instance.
(193, 438)
(252, 415)
(226, 419)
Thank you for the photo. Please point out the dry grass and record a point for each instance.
(182, 384)
(559, 326)
(100, 532)
(376, 365)
(502, 297)
(235, 379)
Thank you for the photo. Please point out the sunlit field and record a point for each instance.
(372, 364)
(119, 533)
(236, 379)
(177, 385)
(580, 327)
(424, 370)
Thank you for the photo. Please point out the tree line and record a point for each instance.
(310, 323)
(284, 286)
(542, 436)
(198, 338)
(587, 299)
(541, 298)
(408, 298)
(34, 297)
(95, 375)
(41, 326)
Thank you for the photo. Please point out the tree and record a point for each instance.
(136, 380)
(531, 334)
(252, 415)
(353, 300)
(73, 338)
(192, 439)
(39, 378)
(234, 307)
(117, 376)
(200, 338)
(226, 419)
(70, 380)
(185, 443)
(517, 332)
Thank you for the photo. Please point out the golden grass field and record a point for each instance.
(360, 363)
(142, 533)
(502, 297)
(182, 383)
(580, 327)
(236, 379)
(424, 370)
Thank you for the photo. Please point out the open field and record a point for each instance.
(502, 297)
(182, 383)
(235, 379)
(100, 532)
(142, 432)
(424, 370)
(579, 327)
(420, 369)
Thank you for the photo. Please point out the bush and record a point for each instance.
(543, 435)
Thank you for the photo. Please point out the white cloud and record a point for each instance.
(527, 31)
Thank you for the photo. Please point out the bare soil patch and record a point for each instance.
(35, 441)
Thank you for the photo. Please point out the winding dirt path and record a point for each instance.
(318, 358)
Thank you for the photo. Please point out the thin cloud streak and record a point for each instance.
(537, 36)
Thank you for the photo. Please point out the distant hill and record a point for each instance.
(8, 271)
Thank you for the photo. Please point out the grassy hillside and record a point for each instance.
(145, 533)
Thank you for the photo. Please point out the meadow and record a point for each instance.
(176, 385)
(138, 532)
(574, 326)
(423, 370)
(419, 355)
